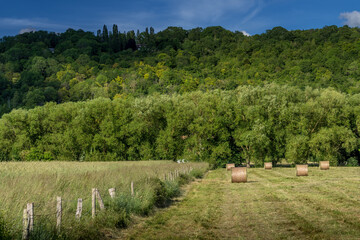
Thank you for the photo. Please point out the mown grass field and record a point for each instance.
(41, 182)
(274, 204)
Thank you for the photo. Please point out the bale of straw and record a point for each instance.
(238, 174)
(302, 170)
(229, 166)
(324, 165)
(268, 165)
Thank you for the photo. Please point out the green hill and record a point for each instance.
(41, 67)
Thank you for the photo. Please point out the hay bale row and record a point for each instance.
(238, 174)
(229, 166)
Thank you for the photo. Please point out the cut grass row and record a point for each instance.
(274, 204)
(41, 182)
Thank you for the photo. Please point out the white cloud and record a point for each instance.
(351, 18)
(246, 33)
(27, 30)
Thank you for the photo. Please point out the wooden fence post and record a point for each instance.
(101, 203)
(58, 213)
(25, 235)
(79, 209)
(30, 212)
(112, 192)
(132, 188)
(93, 202)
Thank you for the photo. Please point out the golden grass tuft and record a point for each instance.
(238, 174)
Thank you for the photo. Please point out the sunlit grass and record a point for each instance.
(273, 204)
(42, 182)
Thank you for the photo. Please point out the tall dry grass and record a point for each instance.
(41, 182)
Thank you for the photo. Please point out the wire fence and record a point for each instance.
(23, 223)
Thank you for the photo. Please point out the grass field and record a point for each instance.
(274, 204)
(41, 182)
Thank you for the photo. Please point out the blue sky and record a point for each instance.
(251, 16)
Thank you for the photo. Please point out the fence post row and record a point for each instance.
(28, 213)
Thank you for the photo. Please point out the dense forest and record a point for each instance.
(201, 94)
(249, 124)
(40, 67)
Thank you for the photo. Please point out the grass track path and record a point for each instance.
(272, 205)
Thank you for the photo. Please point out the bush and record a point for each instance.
(184, 179)
(36, 155)
(197, 173)
(352, 162)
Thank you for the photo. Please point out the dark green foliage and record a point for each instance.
(352, 162)
(246, 125)
(164, 191)
(4, 231)
(196, 173)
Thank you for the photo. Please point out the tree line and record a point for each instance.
(249, 124)
(41, 67)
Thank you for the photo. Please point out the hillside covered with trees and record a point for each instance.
(40, 67)
(201, 94)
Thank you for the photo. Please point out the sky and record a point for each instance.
(250, 16)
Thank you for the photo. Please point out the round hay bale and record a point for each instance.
(229, 166)
(302, 170)
(238, 174)
(324, 165)
(268, 165)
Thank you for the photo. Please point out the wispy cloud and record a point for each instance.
(190, 12)
(351, 18)
(29, 23)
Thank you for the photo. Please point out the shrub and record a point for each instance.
(36, 154)
(197, 173)
(184, 179)
(352, 162)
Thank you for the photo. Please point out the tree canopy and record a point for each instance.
(40, 67)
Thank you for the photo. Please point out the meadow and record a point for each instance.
(42, 182)
(273, 204)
